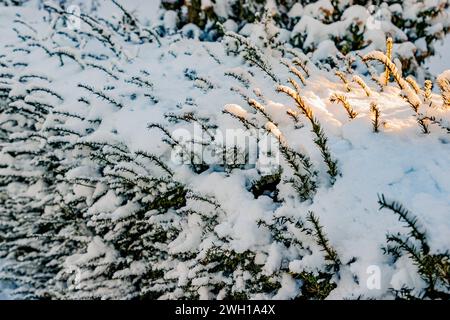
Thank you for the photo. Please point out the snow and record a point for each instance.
(399, 161)
(296, 10)
(236, 109)
(288, 290)
(439, 61)
(274, 130)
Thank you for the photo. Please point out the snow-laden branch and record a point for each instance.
(411, 96)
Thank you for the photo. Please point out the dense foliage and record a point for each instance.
(326, 26)
(87, 214)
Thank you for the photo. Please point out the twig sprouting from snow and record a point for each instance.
(423, 122)
(253, 54)
(376, 116)
(297, 72)
(259, 108)
(413, 84)
(101, 95)
(411, 96)
(443, 81)
(302, 65)
(240, 76)
(304, 176)
(336, 97)
(293, 114)
(275, 131)
(330, 254)
(373, 73)
(240, 114)
(428, 86)
(341, 76)
(357, 79)
(389, 42)
(321, 140)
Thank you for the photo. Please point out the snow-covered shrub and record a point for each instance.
(434, 268)
(326, 28)
(115, 181)
(40, 228)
